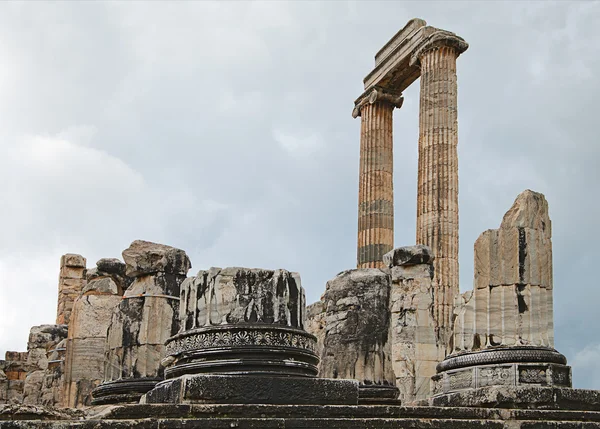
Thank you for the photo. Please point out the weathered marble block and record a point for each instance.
(145, 318)
(46, 346)
(417, 346)
(357, 341)
(88, 329)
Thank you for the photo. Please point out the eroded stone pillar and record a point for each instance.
(416, 349)
(70, 284)
(437, 193)
(90, 319)
(376, 188)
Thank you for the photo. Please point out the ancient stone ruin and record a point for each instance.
(392, 343)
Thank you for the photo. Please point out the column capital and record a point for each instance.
(377, 95)
(438, 39)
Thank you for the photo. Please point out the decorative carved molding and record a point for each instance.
(507, 355)
(439, 39)
(377, 95)
(219, 337)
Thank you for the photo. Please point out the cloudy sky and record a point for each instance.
(225, 129)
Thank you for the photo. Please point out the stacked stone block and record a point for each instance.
(416, 349)
(70, 284)
(88, 328)
(13, 371)
(144, 319)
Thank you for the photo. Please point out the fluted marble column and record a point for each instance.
(437, 193)
(376, 188)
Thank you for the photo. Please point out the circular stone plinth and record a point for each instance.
(123, 391)
(243, 349)
(502, 355)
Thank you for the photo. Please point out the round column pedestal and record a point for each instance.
(499, 375)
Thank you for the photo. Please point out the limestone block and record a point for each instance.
(91, 316)
(33, 387)
(359, 347)
(72, 260)
(148, 313)
(240, 295)
(144, 257)
(112, 268)
(102, 285)
(409, 255)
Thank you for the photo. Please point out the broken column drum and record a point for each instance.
(145, 318)
(242, 338)
(503, 333)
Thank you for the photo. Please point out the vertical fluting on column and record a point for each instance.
(376, 188)
(437, 193)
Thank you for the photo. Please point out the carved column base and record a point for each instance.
(479, 376)
(124, 391)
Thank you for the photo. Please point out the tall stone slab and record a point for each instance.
(145, 318)
(437, 183)
(416, 347)
(88, 329)
(357, 342)
(71, 281)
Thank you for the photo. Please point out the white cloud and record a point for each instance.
(294, 144)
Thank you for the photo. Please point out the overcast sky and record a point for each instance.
(225, 129)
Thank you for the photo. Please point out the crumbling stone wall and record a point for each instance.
(45, 348)
(416, 345)
(13, 371)
(70, 284)
(511, 303)
(88, 328)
